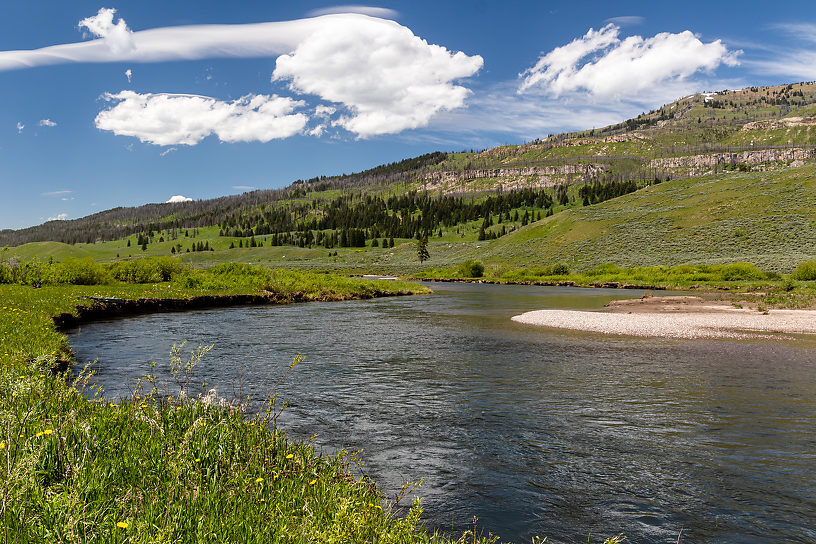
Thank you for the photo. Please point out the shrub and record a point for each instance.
(559, 269)
(146, 270)
(741, 271)
(471, 269)
(78, 272)
(806, 271)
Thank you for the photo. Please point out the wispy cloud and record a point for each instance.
(603, 65)
(626, 20)
(57, 193)
(166, 151)
(20, 127)
(382, 13)
(47, 123)
(129, 75)
(244, 187)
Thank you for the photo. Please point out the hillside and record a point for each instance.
(717, 177)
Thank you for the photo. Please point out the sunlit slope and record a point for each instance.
(767, 218)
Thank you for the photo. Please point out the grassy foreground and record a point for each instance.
(157, 468)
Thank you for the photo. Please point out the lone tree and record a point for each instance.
(422, 249)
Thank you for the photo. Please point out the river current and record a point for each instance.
(536, 432)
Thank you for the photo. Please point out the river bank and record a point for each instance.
(679, 317)
(154, 466)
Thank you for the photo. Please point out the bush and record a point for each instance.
(806, 271)
(560, 269)
(146, 270)
(471, 269)
(741, 271)
(78, 272)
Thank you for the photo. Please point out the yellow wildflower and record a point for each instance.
(198, 459)
(258, 480)
(2, 445)
(48, 431)
(313, 482)
(122, 524)
(289, 456)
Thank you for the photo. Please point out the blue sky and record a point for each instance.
(142, 103)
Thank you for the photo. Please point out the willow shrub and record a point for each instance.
(806, 271)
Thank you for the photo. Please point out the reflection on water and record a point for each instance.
(536, 432)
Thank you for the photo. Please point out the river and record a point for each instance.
(537, 432)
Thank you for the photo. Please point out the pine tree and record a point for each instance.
(422, 249)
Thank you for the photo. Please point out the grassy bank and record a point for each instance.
(735, 281)
(158, 468)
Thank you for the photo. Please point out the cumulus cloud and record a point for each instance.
(390, 79)
(384, 77)
(129, 74)
(59, 217)
(47, 123)
(20, 127)
(118, 37)
(178, 198)
(183, 119)
(382, 13)
(607, 67)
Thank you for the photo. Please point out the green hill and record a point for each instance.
(711, 178)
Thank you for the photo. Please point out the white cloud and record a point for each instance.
(118, 37)
(47, 123)
(607, 67)
(129, 74)
(244, 187)
(166, 151)
(390, 79)
(57, 193)
(178, 198)
(382, 13)
(386, 78)
(20, 127)
(182, 119)
(59, 217)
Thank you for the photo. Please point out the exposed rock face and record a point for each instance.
(786, 122)
(510, 178)
(703, 163)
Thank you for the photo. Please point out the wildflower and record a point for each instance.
(262, 500)
(198, 460)
(2, 445)
(122, 524)
(38, 435)
(313, 482)
(289, 456)
(48, 431)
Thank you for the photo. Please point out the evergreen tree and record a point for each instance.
(422, 249)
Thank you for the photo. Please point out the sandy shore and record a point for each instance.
(676, 317)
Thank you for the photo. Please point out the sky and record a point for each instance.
(124, 103)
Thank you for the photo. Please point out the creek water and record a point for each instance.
(536, 432)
